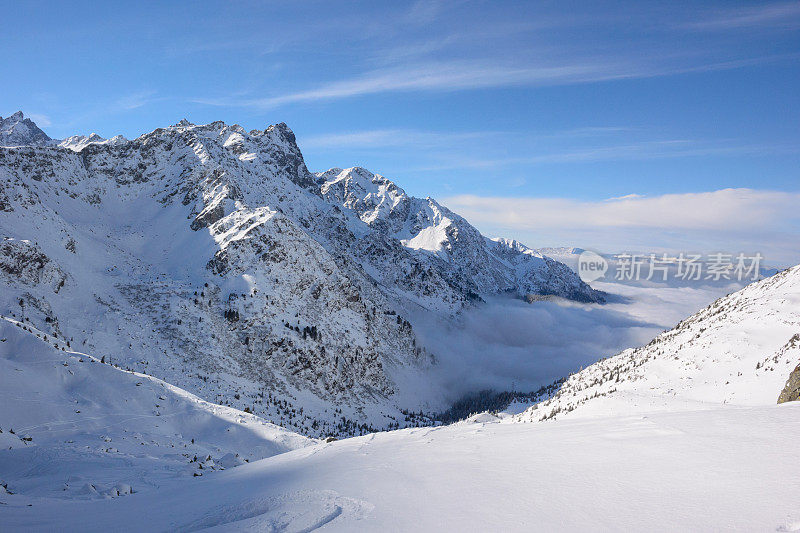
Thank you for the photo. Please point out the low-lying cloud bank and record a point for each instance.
(725, 209)
(732, 220)
(507, 344)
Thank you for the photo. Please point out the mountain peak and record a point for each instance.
(284, 131)
(17, 130)
(282, 126)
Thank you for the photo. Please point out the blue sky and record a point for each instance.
(474, 103)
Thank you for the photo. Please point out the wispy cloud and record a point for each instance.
(631, 196)
(42, 121)
(636, 151)
(436, 151)
(784, 14)
(135, 100)
(385, 138)
(466, 75)
(393, 137)
(445, 76)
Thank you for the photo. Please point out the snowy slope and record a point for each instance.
(739, 350)
(713, 470)
(74, 427)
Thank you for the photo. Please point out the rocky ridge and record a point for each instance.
(211, 257)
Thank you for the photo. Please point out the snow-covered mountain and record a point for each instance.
(469, 262)
(212, 258)
(79, 142)
(738, 351)
(17, 130)
(163, 299)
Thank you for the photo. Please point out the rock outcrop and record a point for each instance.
(791, 392)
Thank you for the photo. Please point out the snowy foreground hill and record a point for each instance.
(210, 257)
(709, 470)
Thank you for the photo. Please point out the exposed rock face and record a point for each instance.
(791, 392)
(23, 262)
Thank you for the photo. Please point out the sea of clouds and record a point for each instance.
(507, 344)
